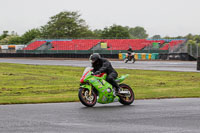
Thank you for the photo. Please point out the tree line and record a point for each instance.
(69, 24)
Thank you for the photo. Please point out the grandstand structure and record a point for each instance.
(164, 49)
(102, 45)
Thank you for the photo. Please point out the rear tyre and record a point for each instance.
(133, 60)
(126, 99)
(86, 99)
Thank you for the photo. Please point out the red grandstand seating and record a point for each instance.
(113, 44)
(166, 47)
(85, 44)
(124, 44)
(74, 44)
(62, 45)
(171, 44)
(34, 45)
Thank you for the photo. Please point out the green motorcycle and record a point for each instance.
(94, 88)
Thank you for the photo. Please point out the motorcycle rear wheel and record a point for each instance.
(126, 100)
(85, 99)
(133, 60)
(126, 60)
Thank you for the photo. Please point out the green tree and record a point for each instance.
(97, 33)
(5, 40)
(12, 38)
(156, 37)
(30, 35)
(138, 33)
(197, 38)
(179, 37)
(168, 37)
(15, 40)
(191, 42)
(189, 36)
(4, 35)
(115, 31)
(66, 25)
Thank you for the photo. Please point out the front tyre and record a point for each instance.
(126, 99)
(86, 99)
(126, 60)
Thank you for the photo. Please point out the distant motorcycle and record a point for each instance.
(95, 88)
(130, 57)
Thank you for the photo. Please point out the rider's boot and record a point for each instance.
(116, 91)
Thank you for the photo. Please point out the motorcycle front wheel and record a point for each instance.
(86, 99)
(126, 99)
(126, 60)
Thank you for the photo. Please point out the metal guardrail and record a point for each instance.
(193, 50)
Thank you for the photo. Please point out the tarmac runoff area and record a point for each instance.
(143, 116)
(182, 66)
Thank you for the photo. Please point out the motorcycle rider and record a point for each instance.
(129, 51)
(102, 65)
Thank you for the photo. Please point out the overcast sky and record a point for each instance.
(163, 17)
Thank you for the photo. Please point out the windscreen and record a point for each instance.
(86, 70)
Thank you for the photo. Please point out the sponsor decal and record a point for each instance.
(92, 80)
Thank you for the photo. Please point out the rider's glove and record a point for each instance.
(97, 73)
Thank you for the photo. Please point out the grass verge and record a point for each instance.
(41, 84)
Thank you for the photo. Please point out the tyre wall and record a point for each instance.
(142, 56)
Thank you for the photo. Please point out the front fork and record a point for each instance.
(90, 92)
(88, 86)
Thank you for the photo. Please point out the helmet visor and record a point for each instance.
(94, 57)
(93, 60)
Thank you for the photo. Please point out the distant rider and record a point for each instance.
(102, 65)
(129, 51)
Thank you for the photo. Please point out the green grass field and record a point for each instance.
(41, 84)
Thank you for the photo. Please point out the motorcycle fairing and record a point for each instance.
(122, 78)
(104, 89)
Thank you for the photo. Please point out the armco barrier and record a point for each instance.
(71, 51)
(57, 55)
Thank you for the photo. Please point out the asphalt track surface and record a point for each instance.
(143, 116)
(187, 66)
